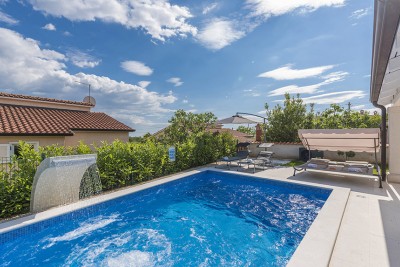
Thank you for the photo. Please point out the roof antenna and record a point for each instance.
(90, 99)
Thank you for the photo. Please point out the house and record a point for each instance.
(385, 79)
(239, 136)
(44, 121)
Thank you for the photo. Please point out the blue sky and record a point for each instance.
(146, 59)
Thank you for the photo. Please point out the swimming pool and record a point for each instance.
(205, 219)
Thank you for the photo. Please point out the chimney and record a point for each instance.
(258, 133)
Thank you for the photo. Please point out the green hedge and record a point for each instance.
(120, 164)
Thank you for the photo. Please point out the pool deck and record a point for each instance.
(369, 233)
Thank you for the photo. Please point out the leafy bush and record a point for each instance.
(120, 164)
(16, 184)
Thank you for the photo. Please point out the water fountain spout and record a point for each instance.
(63, 180)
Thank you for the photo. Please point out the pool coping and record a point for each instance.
(316, 246)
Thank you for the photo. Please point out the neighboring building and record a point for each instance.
(385, 76)
(239, 136)
(44, 121)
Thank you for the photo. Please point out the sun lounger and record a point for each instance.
(239, 156)
(347, 167)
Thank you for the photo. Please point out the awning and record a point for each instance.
(385, 81)
(357, 140)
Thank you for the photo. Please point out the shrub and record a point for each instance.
(16, 184)
(120, 164)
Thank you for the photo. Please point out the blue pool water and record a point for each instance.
(206, 219)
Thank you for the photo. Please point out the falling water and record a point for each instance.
(63, 180)
(90, 183)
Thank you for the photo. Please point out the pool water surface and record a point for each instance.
(206, 219)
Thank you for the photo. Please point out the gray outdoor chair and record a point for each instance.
(240, 155)
(263, 160)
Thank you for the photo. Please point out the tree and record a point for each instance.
(284, 121)
(337, 117)
(331, 118)
(185, 124)
(246, 130)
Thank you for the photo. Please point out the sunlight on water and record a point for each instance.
(85, 228)
(208, 219)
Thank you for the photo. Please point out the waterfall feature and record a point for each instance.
(63, 180)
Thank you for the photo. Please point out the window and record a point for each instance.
(15, 148)
(4, 153)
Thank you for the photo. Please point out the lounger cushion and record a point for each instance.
(357, 162)
(335, 167)
(319, 161)
(357, 170)
(316, 166)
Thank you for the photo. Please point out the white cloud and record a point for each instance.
(294, 89)
(26, 68)
(251, 92)
(185, 101)
(335, 97)
(144, 84)
(67, 33)
(288, 73)
(209, 8)
(336, 76)
(49, 27)
(219, 33)
(158, 18)
(136, 67)
(175, 81)
(359, 13)
(7, 19)
(358, 107)
(310, 89)
(268, 8)
(82, 59)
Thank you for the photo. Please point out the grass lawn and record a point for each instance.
(293, 163)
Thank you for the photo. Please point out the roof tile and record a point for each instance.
(21, 120)
(3, 94)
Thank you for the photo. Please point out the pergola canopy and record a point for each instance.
(357, 140)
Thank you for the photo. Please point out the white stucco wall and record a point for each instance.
(282, 151)
(394, 143)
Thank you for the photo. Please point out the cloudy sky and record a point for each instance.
(144, 59)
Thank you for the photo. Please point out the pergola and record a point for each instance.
(357, 140)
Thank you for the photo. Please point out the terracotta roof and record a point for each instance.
(284, 143)
(3, 94)
(19, 120)
(241, 137)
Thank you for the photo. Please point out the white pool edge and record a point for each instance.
(315, 248)
(14, 224)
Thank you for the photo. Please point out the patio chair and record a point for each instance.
(243, 154)
(263, 160)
